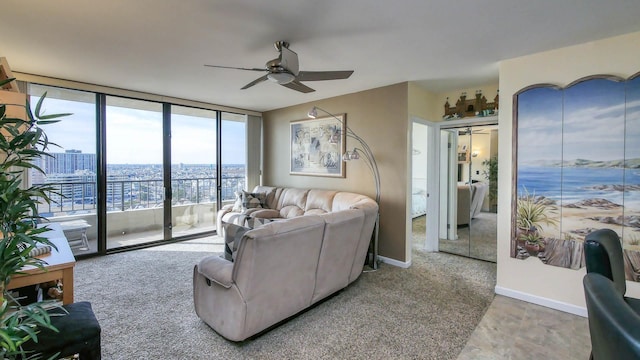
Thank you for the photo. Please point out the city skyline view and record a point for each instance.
(134, 136)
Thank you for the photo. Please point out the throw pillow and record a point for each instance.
(253, 200)
(232, 237)
(237, 206)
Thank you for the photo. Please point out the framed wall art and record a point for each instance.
(317, 146)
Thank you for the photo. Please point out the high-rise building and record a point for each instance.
(69, 162)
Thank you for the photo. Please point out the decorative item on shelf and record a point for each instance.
(370, 160)
(478, 106)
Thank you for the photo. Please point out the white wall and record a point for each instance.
(530, 279)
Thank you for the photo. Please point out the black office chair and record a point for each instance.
(613, 325)
(603, 255)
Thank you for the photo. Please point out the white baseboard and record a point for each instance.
(394, 262)
(553, 304)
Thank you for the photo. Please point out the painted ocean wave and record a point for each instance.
(572, 184)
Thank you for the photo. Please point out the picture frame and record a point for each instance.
(317, 145)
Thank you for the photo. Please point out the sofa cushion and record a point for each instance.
(292, 202)
(265, 213)
(319, 201)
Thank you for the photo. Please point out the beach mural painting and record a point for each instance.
(576, 169)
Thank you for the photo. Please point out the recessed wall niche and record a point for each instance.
(576, 169)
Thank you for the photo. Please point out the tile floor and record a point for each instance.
(514, 329)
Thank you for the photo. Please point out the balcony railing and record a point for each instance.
(124, 195)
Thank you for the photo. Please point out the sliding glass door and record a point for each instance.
(193, 170)
(135, 190)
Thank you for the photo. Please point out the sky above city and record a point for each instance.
(135, 136)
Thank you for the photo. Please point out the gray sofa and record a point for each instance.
(316, 246)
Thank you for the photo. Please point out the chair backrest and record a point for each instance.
(613, 325)
(603, 255)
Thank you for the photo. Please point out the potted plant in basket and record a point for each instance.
(21, 142)
(533, 243)
(532, 213)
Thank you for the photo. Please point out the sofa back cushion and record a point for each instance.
(339, 245)
(319, 202)
(292, 202)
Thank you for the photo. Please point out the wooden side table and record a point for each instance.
(59, 265)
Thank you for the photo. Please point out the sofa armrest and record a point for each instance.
(217, 269)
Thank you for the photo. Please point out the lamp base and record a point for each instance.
(372, 254)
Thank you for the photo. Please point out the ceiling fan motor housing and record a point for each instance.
(284, 70)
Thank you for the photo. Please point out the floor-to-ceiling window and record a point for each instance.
(71, 165)
(234, 154)
(133, 172)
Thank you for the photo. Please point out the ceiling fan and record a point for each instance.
(284, 71)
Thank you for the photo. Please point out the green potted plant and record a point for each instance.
(531, 215)
(21, 142)
(491, 174)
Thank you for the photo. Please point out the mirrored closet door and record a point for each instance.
(468, 191)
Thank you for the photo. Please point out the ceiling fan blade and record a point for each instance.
(236, 68)
(289, 60)
(298, 86)
(323, 75)
(256, 81)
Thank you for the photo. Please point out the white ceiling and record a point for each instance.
(160, 46)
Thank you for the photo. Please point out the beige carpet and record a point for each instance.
(143, 300)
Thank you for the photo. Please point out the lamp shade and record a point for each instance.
(313, 113)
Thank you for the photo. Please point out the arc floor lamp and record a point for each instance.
(362, 152)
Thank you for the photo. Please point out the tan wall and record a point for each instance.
(616, 56)
(380, 117)
(422, 103)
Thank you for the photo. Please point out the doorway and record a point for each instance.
(424, 187)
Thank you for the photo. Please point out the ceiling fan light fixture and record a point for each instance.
(281, 77)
